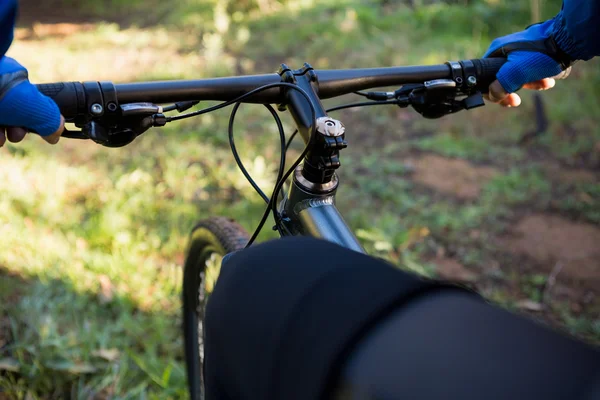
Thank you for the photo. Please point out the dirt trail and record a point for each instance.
(452, 270)
(551, 240)
(569, 175)
(450, 176)
(565, 251)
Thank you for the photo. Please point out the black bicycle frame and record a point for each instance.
(309, 207)
(317, 216)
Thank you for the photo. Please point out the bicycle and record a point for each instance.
(114, 115)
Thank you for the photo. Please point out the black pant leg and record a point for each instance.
(286, 316)
(454, 346)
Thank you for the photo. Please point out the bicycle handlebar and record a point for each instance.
(69, 96)
(73, 100)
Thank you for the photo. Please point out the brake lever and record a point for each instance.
(73, 134)
(139, 109)
(133, 120)
(67, 134)
(109, 137)
(437, 98)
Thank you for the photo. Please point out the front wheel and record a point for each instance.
(211, 239)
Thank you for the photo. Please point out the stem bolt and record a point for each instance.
(472, 81)
(96, 109)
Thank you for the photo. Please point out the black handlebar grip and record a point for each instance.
(487, 68)
(69, 96)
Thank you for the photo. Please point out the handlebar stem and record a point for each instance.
(322, 159)
(306, 79)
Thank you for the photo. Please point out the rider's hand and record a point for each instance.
(23, 108)
(528, 64)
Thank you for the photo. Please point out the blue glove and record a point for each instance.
(21, 104)
(532, 55)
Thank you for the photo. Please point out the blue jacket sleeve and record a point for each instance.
(577, 28)
(8, 15)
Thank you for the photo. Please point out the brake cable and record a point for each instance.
(272, 202)
(281, 178)
(278, 186)
(239, 162)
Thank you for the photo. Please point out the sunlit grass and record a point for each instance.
(105, 52)
(102, 242)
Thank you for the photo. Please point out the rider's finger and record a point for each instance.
(53, 139)
(496, 92)
(15, 135)
(2, 136)
(512, 100)
(542, 84)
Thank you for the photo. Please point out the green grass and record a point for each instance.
(582, 201)
(518, 186)
(100, 246)
(93, 238)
